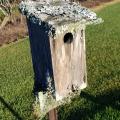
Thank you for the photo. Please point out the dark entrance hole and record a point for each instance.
(68, 38)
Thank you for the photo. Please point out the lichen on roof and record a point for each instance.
(55, 13)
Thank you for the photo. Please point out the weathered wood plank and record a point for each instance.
(68, 63)
(52, 115)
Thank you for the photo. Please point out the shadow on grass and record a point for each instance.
(18, 117)
(97, 104)
(108, 99)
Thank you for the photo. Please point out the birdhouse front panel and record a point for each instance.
(68, 58)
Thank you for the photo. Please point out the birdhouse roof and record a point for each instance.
(58, 13)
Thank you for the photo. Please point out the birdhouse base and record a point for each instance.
(45, 102)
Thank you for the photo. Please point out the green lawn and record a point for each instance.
(101, 99)
(1, 16)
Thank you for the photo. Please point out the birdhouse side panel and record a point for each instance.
(41, 56)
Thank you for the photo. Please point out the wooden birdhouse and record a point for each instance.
(57, 41)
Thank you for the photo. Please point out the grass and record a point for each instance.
(16, 81)
(1, 16)
(101, 99)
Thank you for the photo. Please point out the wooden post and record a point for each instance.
(52, 115)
